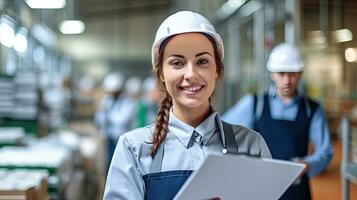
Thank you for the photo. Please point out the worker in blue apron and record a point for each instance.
(115, 113)
(287, 119)
(154, 161)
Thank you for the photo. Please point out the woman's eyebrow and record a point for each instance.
(177, 55)
(202, 53)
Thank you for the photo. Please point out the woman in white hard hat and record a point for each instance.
(287, 119)
(153, 162)
(116, 111)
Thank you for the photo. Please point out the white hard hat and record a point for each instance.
(184, 22)
(285, 58)
(133, 85)
(148, 84)
(86, 83)
(113, 82)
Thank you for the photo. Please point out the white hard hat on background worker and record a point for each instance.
(113, 82)
(184, 22)
(285, 58)
(148, 84)
(133, 86)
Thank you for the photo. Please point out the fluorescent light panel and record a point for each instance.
(7, 33)
(46, 4)
(72, 27)
(44, 34)
(342, 35)
(20, 43)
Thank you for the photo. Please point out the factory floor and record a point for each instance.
(327, 186)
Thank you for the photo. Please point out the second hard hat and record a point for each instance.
(148, 84)
(113, 82)
(133, 85)
(285, 58)
(184, 22)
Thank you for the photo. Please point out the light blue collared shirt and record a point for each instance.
(242, 113)
(132, 158)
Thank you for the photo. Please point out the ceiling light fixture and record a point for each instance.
(20, 43)
(44, 34)
(351, 54)
(7, 34)
(71, 24)
(72, 27)
(46, 4)
(341, 35)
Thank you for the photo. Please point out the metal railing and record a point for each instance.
(348, 169)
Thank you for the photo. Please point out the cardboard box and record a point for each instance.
(24, 184)
(20, 194)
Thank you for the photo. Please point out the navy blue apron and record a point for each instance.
(287, 140)
(164, 185)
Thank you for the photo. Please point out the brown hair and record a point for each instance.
(161, 125)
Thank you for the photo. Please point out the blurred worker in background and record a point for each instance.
(133, 90)
(116, 111)
(84, 96)
(133, 87)
(287, 119)
(147, 108)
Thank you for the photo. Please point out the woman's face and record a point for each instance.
(189, 70)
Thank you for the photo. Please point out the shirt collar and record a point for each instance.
(184, 132)
(207, 128)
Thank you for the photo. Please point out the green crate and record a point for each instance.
(30, 126)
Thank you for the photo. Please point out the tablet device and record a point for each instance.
(239, 177)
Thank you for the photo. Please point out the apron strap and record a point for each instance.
(157, 160)
(230, 142)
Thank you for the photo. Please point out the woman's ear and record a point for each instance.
(216, 76)
(162, 78)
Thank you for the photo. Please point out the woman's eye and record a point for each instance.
(177, 64)
(202, 62)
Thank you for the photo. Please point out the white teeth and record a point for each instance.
(193, 88)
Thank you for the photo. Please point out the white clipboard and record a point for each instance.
(232, 177)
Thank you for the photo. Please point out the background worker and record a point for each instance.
(148, 105)
(133, 88)
(116, 111)
(287, 119)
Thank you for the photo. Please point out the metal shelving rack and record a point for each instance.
(348, 169)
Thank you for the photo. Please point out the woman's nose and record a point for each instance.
(190, 73)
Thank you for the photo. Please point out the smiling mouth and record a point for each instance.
(191, 88)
